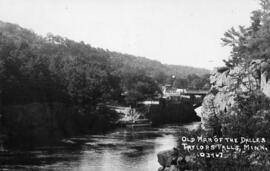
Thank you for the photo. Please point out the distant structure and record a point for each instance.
(170, 91)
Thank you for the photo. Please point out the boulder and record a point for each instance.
(165, 157)
(265, 83)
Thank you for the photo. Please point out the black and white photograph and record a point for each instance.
(135, 85)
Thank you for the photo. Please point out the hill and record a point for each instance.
(55, 87)
(124, 61)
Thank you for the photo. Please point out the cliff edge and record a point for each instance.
(227, 82)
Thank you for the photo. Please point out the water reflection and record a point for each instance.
(121, 150)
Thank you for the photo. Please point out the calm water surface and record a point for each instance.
(120, 150)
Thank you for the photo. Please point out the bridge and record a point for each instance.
(194, 96)
(183, 92)
(195, 92)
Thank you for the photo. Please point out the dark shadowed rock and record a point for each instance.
(165, 157)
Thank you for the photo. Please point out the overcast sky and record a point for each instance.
(184, 32)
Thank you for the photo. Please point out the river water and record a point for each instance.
(120, 150)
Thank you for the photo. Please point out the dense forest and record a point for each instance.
(57, 86)
(57, 63)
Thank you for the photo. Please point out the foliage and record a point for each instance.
(248, 44)
(53, 69)
(35, 70)
(139, 87)
(249, 117)
(251, 42)
(154, 69)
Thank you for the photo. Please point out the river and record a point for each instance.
(120, 150)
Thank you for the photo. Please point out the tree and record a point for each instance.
(140, 87)
(251, 42)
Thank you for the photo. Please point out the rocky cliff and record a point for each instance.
(226, 82)
(172, 112)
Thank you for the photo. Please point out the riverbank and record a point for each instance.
(45, 123)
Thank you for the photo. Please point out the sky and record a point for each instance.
(180, 32)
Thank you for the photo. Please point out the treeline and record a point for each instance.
(54, 70)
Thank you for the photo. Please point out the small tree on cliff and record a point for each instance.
(249, 43)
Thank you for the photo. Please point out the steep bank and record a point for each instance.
(172, 112)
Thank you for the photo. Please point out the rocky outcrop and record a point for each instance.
(265, 83)
(172, 160)
(165, 157)
(226, 82)
(172, 112)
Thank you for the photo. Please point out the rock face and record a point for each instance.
(265, 84)
(172, 160)
(170, 112)
(165, 158)
(226, 82)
